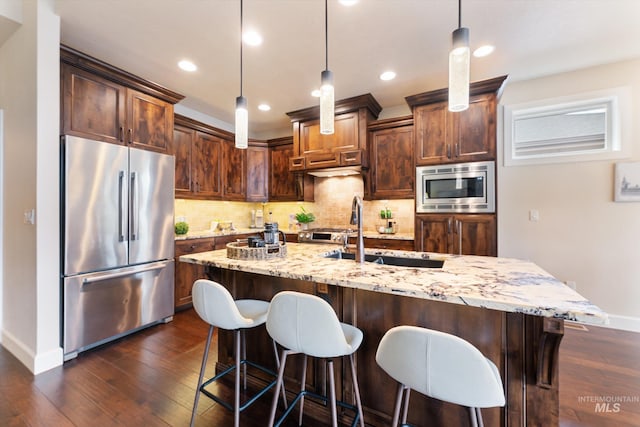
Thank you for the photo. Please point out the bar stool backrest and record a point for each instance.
(440, 365)
(306, 324)
(215, 305)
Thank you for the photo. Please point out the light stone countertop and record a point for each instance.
(503, 284)
(201, 234)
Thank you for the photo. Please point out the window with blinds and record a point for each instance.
(553, 132)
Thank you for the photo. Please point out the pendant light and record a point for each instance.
(459, 67)
(327, 97)
(242, 115)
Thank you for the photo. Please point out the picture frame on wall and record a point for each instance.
(627, 182)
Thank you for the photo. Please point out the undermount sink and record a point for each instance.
(391, 260)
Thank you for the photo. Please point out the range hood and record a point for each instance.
(339, 171)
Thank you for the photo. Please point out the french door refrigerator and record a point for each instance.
(117, 241)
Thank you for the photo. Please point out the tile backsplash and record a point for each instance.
(332, 208)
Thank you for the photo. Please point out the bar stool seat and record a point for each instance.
(441, 366)
(307, 324)
(215, 305)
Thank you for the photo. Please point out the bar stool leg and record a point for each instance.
(405, 410)
(202, 368)
(275, 352)
(479, 417)
(302, 388)
(244, 357)
(396, 407)
(236, 405)
(332, 389)
(274, 403)
(356, 389)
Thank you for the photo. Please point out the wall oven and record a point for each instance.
(461, 187)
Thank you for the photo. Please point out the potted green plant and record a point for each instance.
(304, 218)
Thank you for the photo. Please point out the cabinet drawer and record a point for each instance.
(348, 158)
(192, 246)
(296, 164)
(322, 160)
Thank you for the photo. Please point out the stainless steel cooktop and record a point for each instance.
(325, 235)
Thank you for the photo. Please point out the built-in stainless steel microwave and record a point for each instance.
(461, 187)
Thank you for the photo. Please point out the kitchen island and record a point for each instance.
(512, 310)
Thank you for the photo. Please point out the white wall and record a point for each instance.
(582, 235)
(29, 96)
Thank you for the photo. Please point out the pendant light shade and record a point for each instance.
(327, 103)
(242, 123)
(242, 115)
(327, 96)
(459, 64)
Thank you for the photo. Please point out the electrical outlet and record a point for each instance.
(30, 216)
(534, 215)
(571, 284)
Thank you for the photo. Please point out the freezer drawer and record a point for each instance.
(103, 306)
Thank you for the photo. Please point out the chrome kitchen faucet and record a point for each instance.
(356, 219)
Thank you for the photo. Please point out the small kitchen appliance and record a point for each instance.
(461, 187)
(271, 234)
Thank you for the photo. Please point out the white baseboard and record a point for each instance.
(625, 323)
(36, 363)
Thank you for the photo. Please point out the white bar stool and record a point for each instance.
(441, 366)
(307, 324)
(215, 305)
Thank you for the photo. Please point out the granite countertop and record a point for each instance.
(503, 284)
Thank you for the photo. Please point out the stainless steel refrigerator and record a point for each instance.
(118, 241)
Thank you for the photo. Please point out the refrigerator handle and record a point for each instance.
(100, 278)
(122, 220)
(135, 207)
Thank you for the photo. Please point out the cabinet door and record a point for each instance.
(431, 134)
(234, 172)
(92, 107)
(149, 122)
(434, 233)
(207, 161)
(282, 183)
(182, 149)
(257, 174)
(185, 273)
(474, 130)
(475, 235)
(323, 150)
(392, 166)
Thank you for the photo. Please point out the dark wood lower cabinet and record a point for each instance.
(523, 347)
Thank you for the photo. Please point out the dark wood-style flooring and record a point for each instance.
(148, 379)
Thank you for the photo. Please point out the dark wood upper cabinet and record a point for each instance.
(345, 147)
(207, 166)
(149, 122)
(392, 166)
(234, 171)
(282, 183)
(257, 173)
(104, 103)
(445, 137)
(182, 149)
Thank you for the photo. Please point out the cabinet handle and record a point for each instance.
(121, 134)
(459, 227)
(130, 135)
(449, 226)
(448, 151)
(457, 149)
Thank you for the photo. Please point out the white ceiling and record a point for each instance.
(532, 38)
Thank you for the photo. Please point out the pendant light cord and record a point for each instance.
(326, 35)
(459, 13)
(241, 32)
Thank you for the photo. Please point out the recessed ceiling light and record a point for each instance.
(315, 93)
(252, 38)
(187, 65)
(348, 2)
(264, 107)
(388, 75)
(483, 51)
